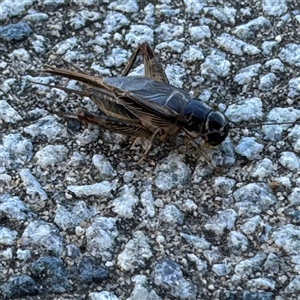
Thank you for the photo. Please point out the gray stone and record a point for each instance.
(275, 65)
(198, 33)
(168, 31)
(248, 110)
(294, 87)
(139, 34)
(14, 209)
(267, 82)
(124, 204)
(136, 252)
(102, 189)
(104, 295)
(258, 195)
(215, 65)
(291, 54)
(249, 148)
(69, 217)
(15, 152)
(197, 242)
(100, 236)
(225, 219)
(263, 169)
(19, 287)
(250, 226)
(129, 6)
(7, 236)
(43, 237)
(221, 269)
(279, 115)
(168, 275)
(171, 214)
(287, 237)
(142, 290)
(9, 114)
(250, 29)
(290, 161)
(103, 165)
(115, 21)
(244, 76)
(237, 242)
(51, 155)
(14, 32)
(147, 200)
(47, 127)
(235, 46)
(171, 172)
(294, 286)
(262, 283)
(32, 185)
(274, 7)
(249, 267)
(192, 54)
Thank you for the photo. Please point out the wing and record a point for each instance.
(147, 96)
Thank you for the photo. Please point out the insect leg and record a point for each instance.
(157, 131)
(113, 124)
(153, 69)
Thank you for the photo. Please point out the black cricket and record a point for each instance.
(147, 106)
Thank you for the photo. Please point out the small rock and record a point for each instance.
(7, 236)
(103, 165)
(124, 204)
(20, 287)
(142, 290)
(136, 252)
(9, 114)
(171, 214)
(52, 273)
(15, 32)
(249, 148)
(102, 189)
(91, 270)
(32, 185)
(43, 237)
(51, 155)
(100, 236)
(168, 275)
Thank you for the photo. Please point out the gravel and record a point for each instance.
(80, 218)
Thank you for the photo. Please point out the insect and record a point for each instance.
(147, 106)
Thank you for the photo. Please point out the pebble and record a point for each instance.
(171, 214)
(249, 148)
(48, 127)
(171, 172)
(13, 208)
(142, 290)
(235, 46)
(33, 187)
(291, 54)
(168, 275)
(101, 235)
(102, 189)
(19, 287)
(9, 114)
(14, 32)
(136, 253)
(51, 155)
(123, 205)
(215, 65)
(43, 237)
